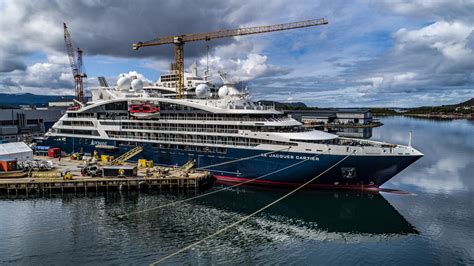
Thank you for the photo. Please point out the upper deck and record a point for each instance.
(235, 104)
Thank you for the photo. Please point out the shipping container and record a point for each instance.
(54, 152)
(119, 171)
(7, 165)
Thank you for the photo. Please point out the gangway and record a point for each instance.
(188, 166)
(129, 154)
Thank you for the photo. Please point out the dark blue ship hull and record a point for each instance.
(281, 168)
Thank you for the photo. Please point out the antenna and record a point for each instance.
(207, 62)
(409, 139)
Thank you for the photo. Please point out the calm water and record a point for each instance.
(432, 225)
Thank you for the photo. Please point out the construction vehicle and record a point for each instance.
(77, 68)
(76, 156)
(180, 40)
(67, 175)
(106, 158)
(126, 156)
(92, 170)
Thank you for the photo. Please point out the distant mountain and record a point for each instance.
(29, 99)
(466, 107)
(467, 103)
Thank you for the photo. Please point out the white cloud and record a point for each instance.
(242, 62)
(448, 38)
(434, 9)
(403, 50)
(50, 77)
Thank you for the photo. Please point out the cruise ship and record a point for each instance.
(226, 133)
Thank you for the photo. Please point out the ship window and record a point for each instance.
(117, 106)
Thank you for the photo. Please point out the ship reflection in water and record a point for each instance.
(321, 216)
(353, 212)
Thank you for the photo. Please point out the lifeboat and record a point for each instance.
(143, 108)
(134, 108)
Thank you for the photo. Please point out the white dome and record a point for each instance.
(203, 91)
(223, 91)
(123, 84)
(137, 84)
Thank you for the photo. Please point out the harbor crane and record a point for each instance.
(180, 40)
(76, 66)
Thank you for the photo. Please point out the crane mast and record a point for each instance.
(76, 66)
(180, 40)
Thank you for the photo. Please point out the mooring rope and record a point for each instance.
(250, 215)
(214, 191)
(174, 202)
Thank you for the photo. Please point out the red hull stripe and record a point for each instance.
(288, 184)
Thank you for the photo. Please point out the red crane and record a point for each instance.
(76, 66)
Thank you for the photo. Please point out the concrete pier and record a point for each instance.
(53, 181)
(50, 185)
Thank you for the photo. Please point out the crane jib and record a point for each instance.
(206, 36)
(180, 40)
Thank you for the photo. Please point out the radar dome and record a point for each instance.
(123, 84)
(223, 92)
(137, 84)
(203, 91)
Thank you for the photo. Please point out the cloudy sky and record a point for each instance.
(372, 53)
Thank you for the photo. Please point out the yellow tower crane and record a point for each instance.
(180, 40)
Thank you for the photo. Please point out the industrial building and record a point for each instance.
(332, 116)
(16, 150)
(64, 104)
(25, 124)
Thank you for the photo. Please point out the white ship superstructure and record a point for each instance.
(215, 126)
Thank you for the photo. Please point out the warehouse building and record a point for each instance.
(24, 124)
(16, 150)
(332, 116)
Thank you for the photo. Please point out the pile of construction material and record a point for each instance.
(35, 165)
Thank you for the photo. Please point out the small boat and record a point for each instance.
(13, 174)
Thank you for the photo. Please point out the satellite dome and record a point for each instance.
(223, 91)
(203, 91)
(123, 84)
(137, 84)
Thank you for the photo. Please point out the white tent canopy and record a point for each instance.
(16, 150)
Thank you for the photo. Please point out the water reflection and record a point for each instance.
(331, 211)
(448, 148)
(340, 212)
